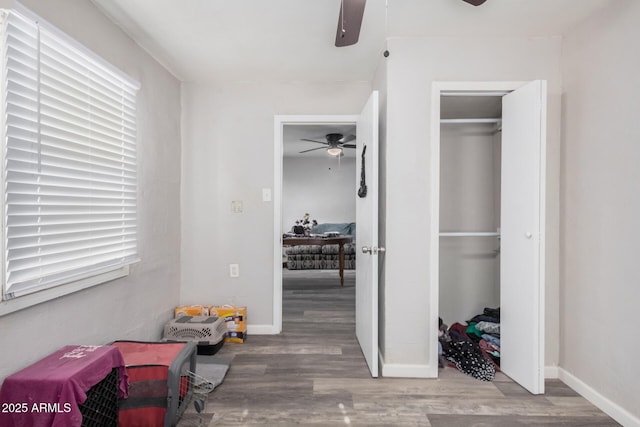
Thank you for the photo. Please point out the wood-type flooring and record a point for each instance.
(314, 373)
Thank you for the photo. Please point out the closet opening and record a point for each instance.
(469, 286)
(487, 229)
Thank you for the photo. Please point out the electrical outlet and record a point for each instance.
(234, 270)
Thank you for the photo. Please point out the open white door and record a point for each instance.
(367, 232)
(522, 235)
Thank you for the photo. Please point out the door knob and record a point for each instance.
(366, 250)
(528, 235)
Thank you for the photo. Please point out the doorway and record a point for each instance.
(366, 284)
(497, 241)
(317, 122)
(318, 170)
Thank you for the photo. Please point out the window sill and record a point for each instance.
(26, 301)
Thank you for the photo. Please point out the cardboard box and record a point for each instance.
(235, 318)
(191, 310)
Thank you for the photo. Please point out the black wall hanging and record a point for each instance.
(362, 191)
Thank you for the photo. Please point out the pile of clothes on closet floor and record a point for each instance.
(473, 348)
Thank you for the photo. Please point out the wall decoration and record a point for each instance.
(362, 191)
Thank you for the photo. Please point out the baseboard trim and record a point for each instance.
(612, 409)
(425, 371)
(399, 370)
(261, 330)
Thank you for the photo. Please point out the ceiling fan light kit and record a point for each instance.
(475, 2)
(334, 151)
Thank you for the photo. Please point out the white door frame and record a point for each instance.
(434, 242)
(280, 121)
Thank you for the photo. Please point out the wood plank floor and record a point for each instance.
(314, 373)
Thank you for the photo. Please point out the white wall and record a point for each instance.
(228, 154)
(413, 65)
(600, 277)
(469, 266)
(320, 186)
(135, 307)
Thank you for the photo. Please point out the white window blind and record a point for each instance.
(69, 160)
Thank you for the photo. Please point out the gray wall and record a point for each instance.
(228, 154)
(135, 307)
(320, 186)
(600, 209)
(412, 67)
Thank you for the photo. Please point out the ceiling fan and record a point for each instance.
(350, 20)
(334, 144)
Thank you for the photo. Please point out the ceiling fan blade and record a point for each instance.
(349, 22)
(312, 149)
(475, 2)
(349, 146)
(312, 140)
(347, 139)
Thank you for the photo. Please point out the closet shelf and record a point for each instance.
(469, 234)
(475, 93)
(455, 121)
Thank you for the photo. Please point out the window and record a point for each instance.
(69, 160)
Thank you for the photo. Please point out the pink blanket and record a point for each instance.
(48, 392)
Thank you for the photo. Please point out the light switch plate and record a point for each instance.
(234, 270)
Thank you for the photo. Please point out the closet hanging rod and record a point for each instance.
(470, 120)
(469, 234)
(473, 93)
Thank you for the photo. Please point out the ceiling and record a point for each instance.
(293, 40)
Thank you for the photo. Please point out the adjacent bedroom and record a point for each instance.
(319, 230)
